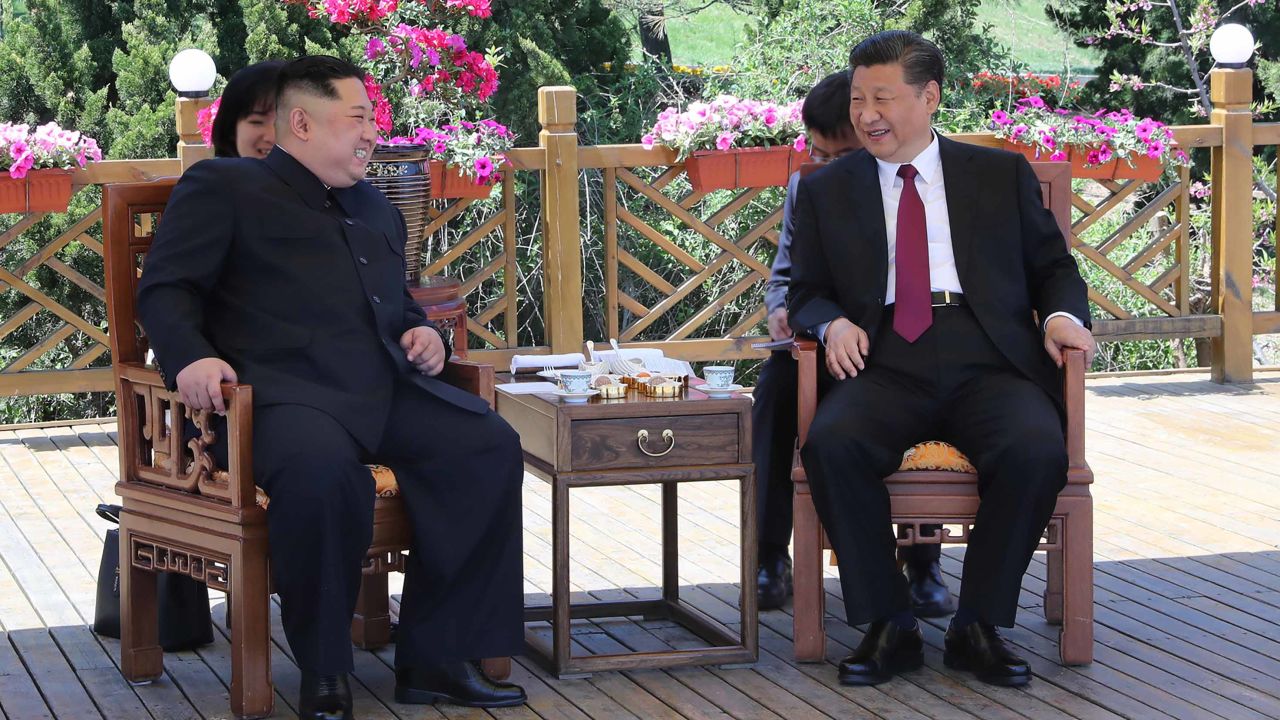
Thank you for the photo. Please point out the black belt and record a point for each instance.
(946, 297)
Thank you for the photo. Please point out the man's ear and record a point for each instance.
(300, 124)
(932, 95)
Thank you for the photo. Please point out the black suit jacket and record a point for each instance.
(300, 289)
(1010, 254)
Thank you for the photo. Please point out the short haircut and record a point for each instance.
(314, 75)
(826, 107)
(251, 90)
(921, 60)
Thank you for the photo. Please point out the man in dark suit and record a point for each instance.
(825, 113)
(288, 274)
(919, 263)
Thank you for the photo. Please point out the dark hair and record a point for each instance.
(250, 90)
(921, 60)
(826, 107)
(314, 75)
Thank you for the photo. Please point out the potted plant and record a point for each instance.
(733, 143)
(1103, 145)
(465, 158)
(39, 164)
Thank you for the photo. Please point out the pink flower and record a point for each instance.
(648, 141)
(205, 118)
(375, 48)
(1001, 117)
(1105, 153)
(800, 144)
(1058, 156)
(1018, 130)
(724, 140)
(484, 168)
(1155, 149)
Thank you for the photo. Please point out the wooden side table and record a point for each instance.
(638, 441)
(440, 298)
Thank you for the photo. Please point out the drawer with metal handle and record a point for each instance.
(654, 442)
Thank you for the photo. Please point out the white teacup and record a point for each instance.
(718, 376)
(575, 381)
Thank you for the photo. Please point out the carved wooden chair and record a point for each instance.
(182, 513)
(937, 485)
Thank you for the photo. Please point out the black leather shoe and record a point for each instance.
(885, 651)
(980, 649)
(324, 697)
(460, 682)
(929, 594)
(773, 583)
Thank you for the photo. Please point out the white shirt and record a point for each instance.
(933, 194)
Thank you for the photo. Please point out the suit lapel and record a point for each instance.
(868, 209)
(959, 179)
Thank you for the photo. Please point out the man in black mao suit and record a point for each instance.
(288, 274)
(919, 263)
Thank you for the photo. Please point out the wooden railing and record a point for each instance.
(1147, 257)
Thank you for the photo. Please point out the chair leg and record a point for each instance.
(498, 668)
(1075, 641)
(1053, 582)
(141, 658)
(371, 624)
(808, 606)
(251, 690)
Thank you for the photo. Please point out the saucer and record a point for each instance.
(576, 397)
(723, 392)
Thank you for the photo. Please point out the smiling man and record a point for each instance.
(944, 294)
(287, 273)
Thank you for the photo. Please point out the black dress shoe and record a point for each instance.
(460, 682)
(773, 583)
(980, 649)
(929, 594)
(885, 651)
(324, 697)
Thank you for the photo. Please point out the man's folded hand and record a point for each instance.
(847, 347)
(200, 384)
(1063, 332)
(424, 348)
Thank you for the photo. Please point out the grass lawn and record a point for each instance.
(709, 37)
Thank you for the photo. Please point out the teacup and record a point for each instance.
(718, 376)
(575, 381)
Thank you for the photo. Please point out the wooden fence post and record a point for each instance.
(191, 147)
(561, 235)
(1231, 91)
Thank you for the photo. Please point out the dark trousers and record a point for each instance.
(952, 384)
(460, 478)
(773, 440)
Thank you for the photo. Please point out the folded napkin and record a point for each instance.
(569, 360)
(527, 388)
(653, 359)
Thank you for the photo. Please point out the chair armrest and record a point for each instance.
(806, 354)
(1073, 399)
(476, 378)
(144, 383)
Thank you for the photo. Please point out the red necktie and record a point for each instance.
(913, 314)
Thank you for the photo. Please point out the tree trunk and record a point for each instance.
(653, 33)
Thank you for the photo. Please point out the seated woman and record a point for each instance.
(245, 123)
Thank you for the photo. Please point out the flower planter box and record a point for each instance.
(1143, 169)
(449, 182)
(13, 194)
(48, 190)
(754, 167)
(1080, 167)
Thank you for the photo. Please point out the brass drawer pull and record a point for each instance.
(642, 437)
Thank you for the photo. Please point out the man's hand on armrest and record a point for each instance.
(1063, 331)
(847, 347)
(200, 384)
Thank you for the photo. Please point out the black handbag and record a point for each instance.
(183, 601)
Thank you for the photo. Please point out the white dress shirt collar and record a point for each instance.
(928, 164)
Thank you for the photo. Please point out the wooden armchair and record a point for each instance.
(937, 485)
(182, 513)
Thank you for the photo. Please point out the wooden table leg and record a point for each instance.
(670, 542)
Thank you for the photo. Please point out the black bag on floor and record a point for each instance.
(183, 602)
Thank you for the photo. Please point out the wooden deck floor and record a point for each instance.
(1188, 590)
